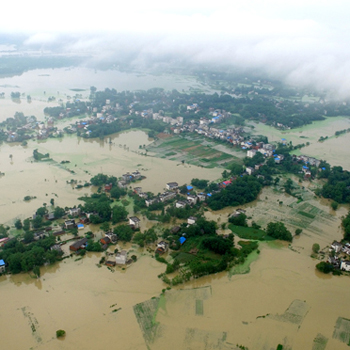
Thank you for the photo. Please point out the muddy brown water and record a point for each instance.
(282, 300)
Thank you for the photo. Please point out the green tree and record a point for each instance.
(105, 226)
(59, 212)
(315, 248)
(334, 205)
(36, 271)
(298, 231)
(37, 222)
(119, 214)
(238, 220)
(42, 211)
(324, 267)
(52, 201)
(26, 225)
(18, 224)
(279, 231)
(124, 232)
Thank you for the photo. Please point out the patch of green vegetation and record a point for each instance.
(295, 313)
(320, 342)
(146, 313)
(308, 215)
(170, 154)
(199, 307)
(249, 233)
(244, 268)
(342, 330)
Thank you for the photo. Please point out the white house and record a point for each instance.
(134, 221)
(120, 258)
(192, 198)
(172, 185)
(191, 220)
(250, 170)
(251, 153)
(345, 265)
(74, 211)
(336, 246)
(180, 204)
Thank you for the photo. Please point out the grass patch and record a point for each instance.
(170, 154)
(308, 215)
(250, 233)
(245, 267)
(342, 330)
(199, 307)
(320, 342)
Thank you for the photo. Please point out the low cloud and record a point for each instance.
(302, 43)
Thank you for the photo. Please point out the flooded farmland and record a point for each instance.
(278, 298)
(334, 150)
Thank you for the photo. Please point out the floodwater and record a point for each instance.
(59, 81)
(334, 150)
(113, 156)
(282, 300)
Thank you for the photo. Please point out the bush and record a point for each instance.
(60, 333)
(298, 231)
(324, 267)
(315, 248)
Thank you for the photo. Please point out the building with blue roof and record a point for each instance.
(182, 240)
(2, 266)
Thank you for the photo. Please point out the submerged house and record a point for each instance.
(81, 244)
(120, 258)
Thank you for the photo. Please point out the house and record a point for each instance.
(136, 175)
(105, 240)
(251, 153)
(2, 266)
(40, 235)
(74, 211)
(162, 247)
(182, 240)
(172, 185)
(68, 224)
(120, 258)
(50, 216)
(249, 170)
(134, 221)
(175, 229)
(192, 199)
(110, 263)
(138, 190)
(167, 196)
(81, 244)
(336, 246)
(151, 201)
(108, 187)
(180, 204)
(201, 196)
(345, 265)
(122, 184)
(191, 220)
(84, 220)
(56, 247)
(112, 236)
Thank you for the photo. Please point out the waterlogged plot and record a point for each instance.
(342, 330)
(320, 342)
(295, 313)
(196, 339)
(244, 268)
(146, 313)
(33, 323)
(192, 150)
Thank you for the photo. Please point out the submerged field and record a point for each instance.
(196, 150)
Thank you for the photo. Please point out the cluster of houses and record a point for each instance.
(129, 177)
(340, 258)
(33, 129)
